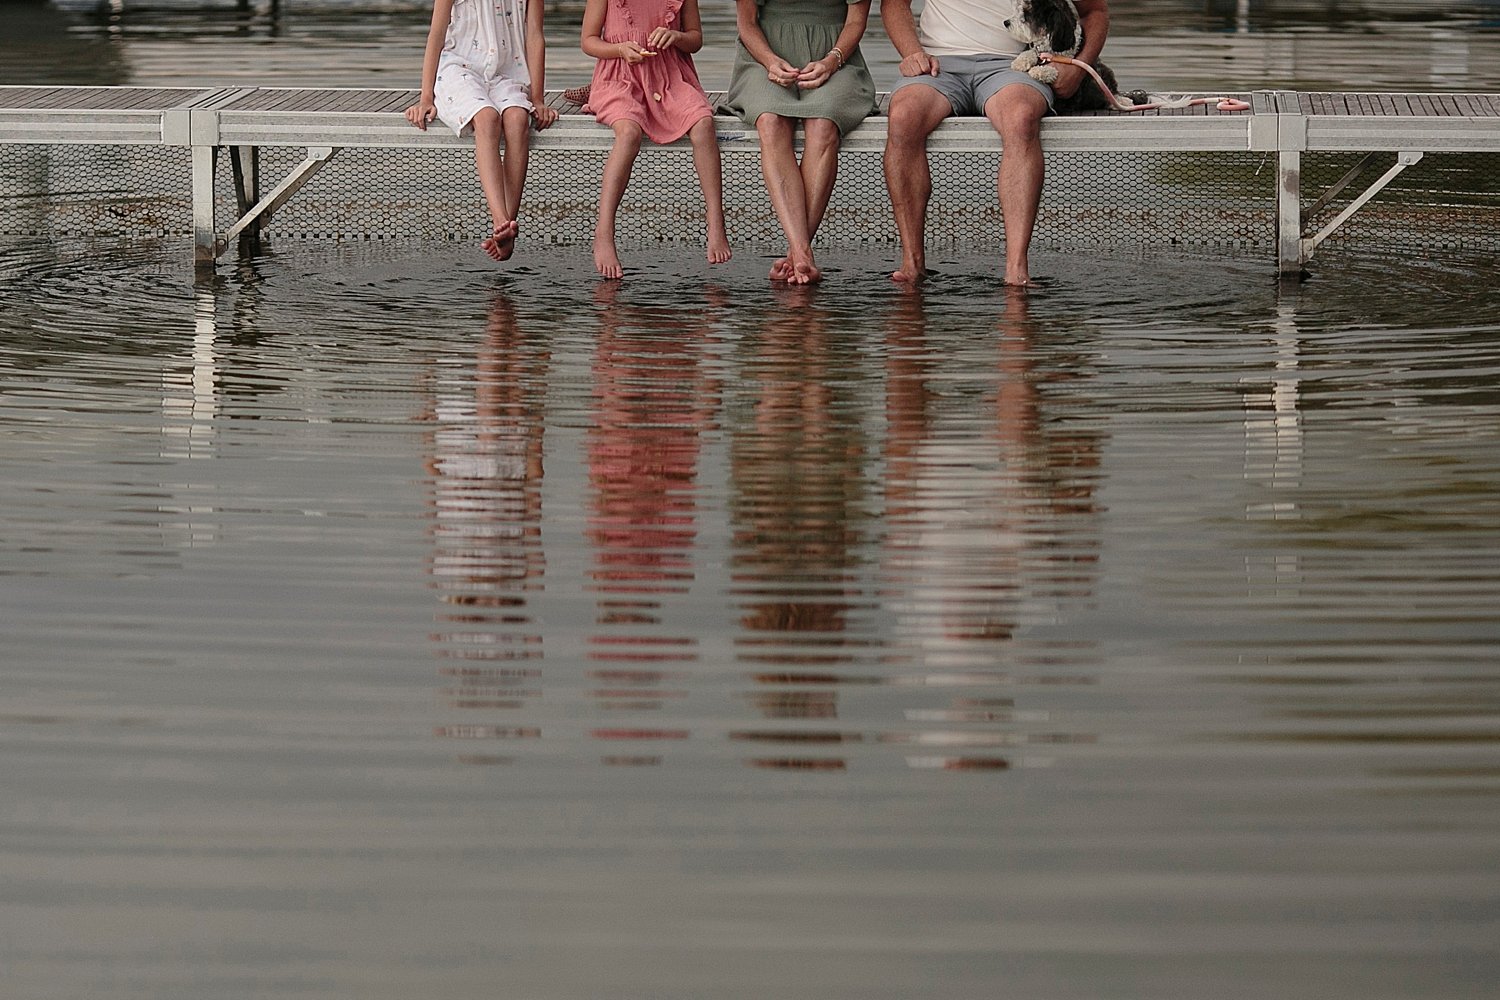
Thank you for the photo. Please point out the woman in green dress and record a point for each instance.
(799, 61)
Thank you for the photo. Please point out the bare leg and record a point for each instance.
(516, 124)
(1016, 112)
(617, 168)
(501, 241)
(778, 166)
(914, 112)
(820, 167)
(706, 163)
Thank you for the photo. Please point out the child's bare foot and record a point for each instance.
(502, 242)
(718, 248)
(781, 270)
(606, 260)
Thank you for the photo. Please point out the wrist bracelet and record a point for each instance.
(838, 53)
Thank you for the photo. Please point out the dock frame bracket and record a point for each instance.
(1309, 244)
(252, 217)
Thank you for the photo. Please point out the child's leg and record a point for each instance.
(502, 239)
(617, 167)
(706, 163)
(516, 124)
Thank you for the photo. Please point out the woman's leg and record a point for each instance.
(778, 167)
(706, 163)
(820, 167)
(617, 167)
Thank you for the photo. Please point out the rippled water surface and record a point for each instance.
(379, 623)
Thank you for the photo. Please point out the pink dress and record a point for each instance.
(661, 93)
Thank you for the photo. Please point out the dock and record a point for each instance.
(232, 164)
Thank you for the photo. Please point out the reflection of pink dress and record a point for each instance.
(661, 93)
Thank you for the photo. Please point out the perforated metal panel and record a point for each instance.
(95, 190)
(1447, 201)
(1091, 199)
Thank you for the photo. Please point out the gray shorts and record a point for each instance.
(969, 81)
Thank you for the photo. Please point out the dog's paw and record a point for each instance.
(1025, 62)
(1045, 73)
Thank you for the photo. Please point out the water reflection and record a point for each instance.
(654, 400)
(797, 467)
(987, 513)
(1274, 447)
(905, 527)
(488, 560)
(190, 414)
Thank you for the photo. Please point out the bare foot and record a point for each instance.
(913, 269)
(718, 248)
(781, 270)
(606, 260)
(806, 274)
(502, 242)
(804, 271)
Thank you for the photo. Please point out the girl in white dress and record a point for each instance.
(484, 74)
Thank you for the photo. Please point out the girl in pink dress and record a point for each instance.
(645, 85)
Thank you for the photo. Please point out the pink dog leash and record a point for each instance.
(1223, 103)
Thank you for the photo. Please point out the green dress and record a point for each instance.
(799, 32)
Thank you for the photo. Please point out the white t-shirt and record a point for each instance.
(967, 27)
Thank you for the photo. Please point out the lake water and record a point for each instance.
(381, 623)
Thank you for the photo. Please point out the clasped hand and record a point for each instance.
(809, 77)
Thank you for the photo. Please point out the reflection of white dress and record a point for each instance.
(483, 63)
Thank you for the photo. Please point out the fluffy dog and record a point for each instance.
(1052, 27)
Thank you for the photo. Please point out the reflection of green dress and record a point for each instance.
(800, 31)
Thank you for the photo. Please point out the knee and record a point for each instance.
(821, 136)
(1017, 120)
(486, 124)
(703, 131)
(628, 136)
(906, 125)
(773, 128)
(517, 124)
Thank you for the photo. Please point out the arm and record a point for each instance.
(817, 72)
(901, 25)
(595, 45)
(536, 65)
(1094, 16)
(689, 38)
(425, 110)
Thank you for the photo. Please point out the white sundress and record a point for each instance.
(483, 63)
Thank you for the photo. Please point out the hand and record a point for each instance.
(1069, 79)
(542, 116)
(919, 63)
(782, 73)
(817, 72)
(421, 113)
(633, 53)
(662, 38)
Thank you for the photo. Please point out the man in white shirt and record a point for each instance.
(959, 64)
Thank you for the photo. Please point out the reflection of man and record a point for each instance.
(959, 64)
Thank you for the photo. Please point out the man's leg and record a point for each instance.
(1016, 112)
(914, 112)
